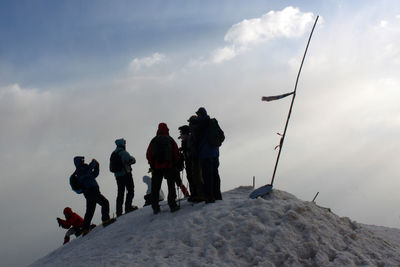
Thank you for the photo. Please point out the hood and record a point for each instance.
(78, 161)
(201, 112)
(162, 129)
(120, 142)
(68, 212)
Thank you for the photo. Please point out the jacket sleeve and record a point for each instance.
(127, 158)
(76, 221)
(94, 168)
(149, 156)
(65, 224)
(176, 152)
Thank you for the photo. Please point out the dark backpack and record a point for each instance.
(116, 163)
(215, 135)
(75, 184)
(161, 149)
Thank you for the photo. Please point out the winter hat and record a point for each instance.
(184, 129)
(120, 142)
(192, 119)
(78, 161)
(201, 112)
(162, 128)
(68, 212)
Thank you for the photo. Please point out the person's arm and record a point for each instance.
(63, 223)
(94, 168)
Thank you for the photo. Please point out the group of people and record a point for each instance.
(198, 155)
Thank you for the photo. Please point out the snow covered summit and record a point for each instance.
(278, 230)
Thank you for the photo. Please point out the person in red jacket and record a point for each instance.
(73, 222)
(163, 157)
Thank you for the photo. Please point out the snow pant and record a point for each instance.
(93, 197)
(73, 231)
(125, 182)
(197, 178)
(157, 176)
(212, 181)
(189, 177)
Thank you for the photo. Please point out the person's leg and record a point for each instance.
(105, 206)
(217, 180)
(170, 175)
(130, 188)
(90, 209)
(120, 194)
(157, 176)
(207, 171)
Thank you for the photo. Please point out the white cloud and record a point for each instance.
(146, 62)
(383, 23)
(223, 54)
(288, 23)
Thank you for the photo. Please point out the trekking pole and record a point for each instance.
(291, 105)
(315, 197)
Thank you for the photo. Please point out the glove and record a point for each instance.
(59, 221)
(94, 160)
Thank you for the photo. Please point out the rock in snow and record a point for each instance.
(277, 230)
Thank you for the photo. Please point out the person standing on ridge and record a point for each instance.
(86, 175)
(163, 156)
(210, 137)
(120, 165)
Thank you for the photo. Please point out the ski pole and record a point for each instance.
(291, 105)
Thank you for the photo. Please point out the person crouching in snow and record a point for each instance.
(73, 222)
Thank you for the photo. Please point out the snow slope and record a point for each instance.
(278, 230)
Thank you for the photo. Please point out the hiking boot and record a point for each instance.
(174, 208)
(108, 222)
(210, 200)
(184, 190)
(156, 210)
(66, 240)
(85, 231)
(131, 208)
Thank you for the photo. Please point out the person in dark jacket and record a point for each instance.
(209, 158)
(198, 195)
(184, 132)
(73, 222)
(163, 156)
(124, 178)
(86, 175)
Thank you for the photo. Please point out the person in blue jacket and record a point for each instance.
(124, 178)
(209, 158)
(86, 175)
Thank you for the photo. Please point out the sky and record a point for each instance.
(75, 76)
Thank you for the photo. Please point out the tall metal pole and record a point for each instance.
(291, 105)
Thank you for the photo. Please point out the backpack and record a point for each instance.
(116, 163)
(75, 184)
(161, 149)
(215, 135)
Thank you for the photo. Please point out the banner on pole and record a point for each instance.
(275, 97)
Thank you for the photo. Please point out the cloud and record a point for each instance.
(147, 62)
(383, 23)
(288, 23)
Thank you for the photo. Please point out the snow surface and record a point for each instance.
(277, 230)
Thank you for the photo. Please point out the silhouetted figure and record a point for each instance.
(162, 156)
(209, 138)
(120, 165)
(86, 175)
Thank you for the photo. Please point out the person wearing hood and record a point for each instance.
(209, 158)
(73, 222)
(86, 175)
(163, 156)
(123, 176)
